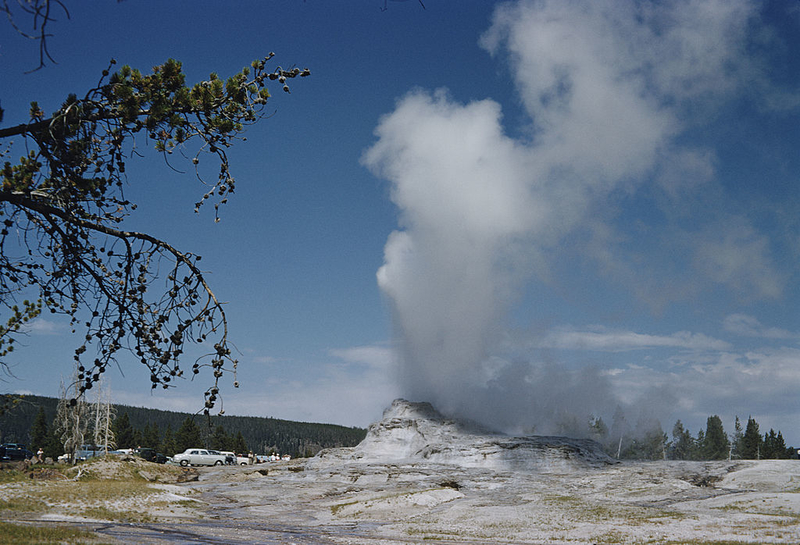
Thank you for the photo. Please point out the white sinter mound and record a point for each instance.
(417, 432)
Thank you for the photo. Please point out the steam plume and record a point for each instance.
(607, 87)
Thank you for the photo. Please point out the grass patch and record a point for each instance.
(82, 498)
(45, 535)
(12, 476)
(610, 537)
(434, 535)
(561, 499)
(89, 491)
(123, 468)
(753, 508)
(339, 506)
(186, 503)
(579, 510)
(103, 491)
(25, 504)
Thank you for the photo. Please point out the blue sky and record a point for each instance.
(518, 211)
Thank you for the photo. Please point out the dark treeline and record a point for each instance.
(712, 443)
(31, 421)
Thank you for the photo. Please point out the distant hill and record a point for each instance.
(261, 434)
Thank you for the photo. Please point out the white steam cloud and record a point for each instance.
(608, 86)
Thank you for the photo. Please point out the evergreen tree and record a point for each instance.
(716, 445)
(751, 442)
(220, 439)
(260, 434)
(123, 432)
(155, 437)
(137, 437)
(697, 451)
(188, 435)
(737, 439)
(774, 447)
(783, 451)
(53, 447)
(39, 433)
(168, 445)
(149, 437)
(239, 444)
(682, 442)
(652, 446)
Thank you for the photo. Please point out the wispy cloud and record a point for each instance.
(42, 326)
(734, 253)
(761, 383)
(607, 340)
(748, 326)
(373, 356)
(351, 388)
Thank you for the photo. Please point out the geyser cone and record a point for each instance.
(416, 432)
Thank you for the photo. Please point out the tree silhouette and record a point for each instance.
(715, 445)
(751, 443)
(124, 432)
(63, 244)
(188, 436)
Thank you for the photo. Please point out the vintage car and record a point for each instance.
(14, 451)
(150, 455)
(89, 451)
(199, 457)
(232, 459)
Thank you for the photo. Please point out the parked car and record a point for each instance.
(89, 451)
(150, 455)
(199, 457)
(233, 459)
(14, 451)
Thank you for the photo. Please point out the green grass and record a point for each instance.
(582, 511)
(12, 476)
(45, 535)
(95, 493)
(93, 470)
(23, 504)
(89, 491)
(752, 508)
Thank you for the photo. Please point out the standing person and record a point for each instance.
(40, 455)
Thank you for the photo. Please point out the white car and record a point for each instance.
(199, 457)
(232, 459)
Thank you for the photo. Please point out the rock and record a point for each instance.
(417, 432)
(188, 475)
(148, 476)
(47, 474)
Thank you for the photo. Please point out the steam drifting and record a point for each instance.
(608, 87)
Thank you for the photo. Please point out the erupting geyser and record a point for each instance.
(416, 433)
